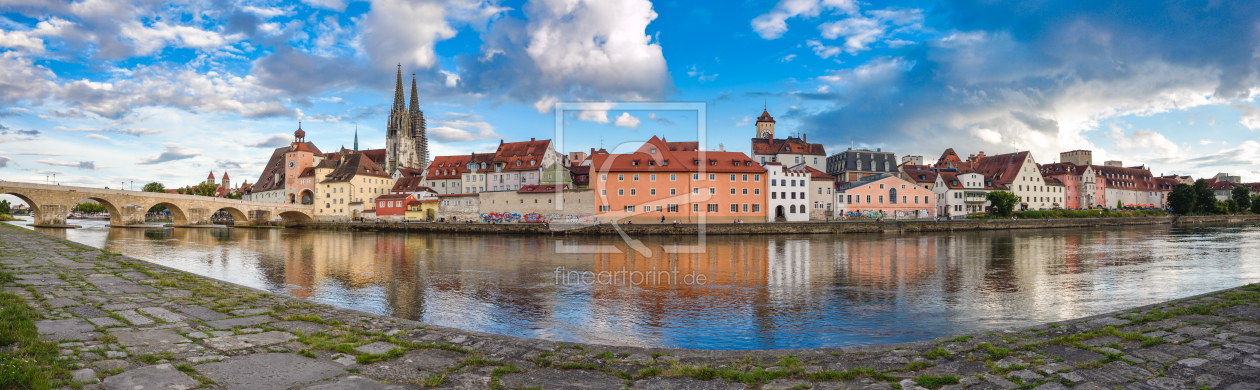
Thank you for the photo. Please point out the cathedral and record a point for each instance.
(406, 144)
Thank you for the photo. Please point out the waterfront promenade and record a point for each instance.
(125, 323)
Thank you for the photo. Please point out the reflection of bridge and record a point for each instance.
(50, 204)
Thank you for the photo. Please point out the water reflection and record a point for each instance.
(744, 292)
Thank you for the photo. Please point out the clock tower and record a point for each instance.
(765, 126)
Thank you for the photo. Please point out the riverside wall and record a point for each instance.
(841, 227)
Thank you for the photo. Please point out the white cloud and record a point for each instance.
(272, 141)
(860, 31)
(773, 24)
(744, 122)
(134, 132)
(95, 136)
(335, 5)
(461, 130)
(627, 120)
(700, 75)
(89, 165)
(987, 135)
(1144, 144)
(173, 152)
(402, 31)
(1205, 142)
(788, 58)
(1249, 116)
(823, 50)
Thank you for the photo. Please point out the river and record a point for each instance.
(742, 292)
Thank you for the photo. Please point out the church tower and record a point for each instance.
(398, 127)
(765, 126)
(406, 141)
(419, 135)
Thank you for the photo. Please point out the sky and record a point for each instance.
(113, 92)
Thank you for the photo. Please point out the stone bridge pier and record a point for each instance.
(51, 204)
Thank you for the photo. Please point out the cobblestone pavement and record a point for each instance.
(128, 324)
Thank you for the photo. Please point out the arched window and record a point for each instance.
(892, 196)
(792, 208)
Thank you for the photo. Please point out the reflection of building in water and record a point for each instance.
(789, 263)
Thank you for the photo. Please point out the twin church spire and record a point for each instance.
(407, 143)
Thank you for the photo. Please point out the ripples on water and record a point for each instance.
(760, 292)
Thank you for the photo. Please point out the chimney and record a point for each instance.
(805, 137)
(531, 139)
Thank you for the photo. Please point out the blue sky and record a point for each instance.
(107, 91)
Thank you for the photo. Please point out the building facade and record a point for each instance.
(788, 193)
(406, 139)
(885, 196)
(961, 194)
(858, 164)
(766, 148)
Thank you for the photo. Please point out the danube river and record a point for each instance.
(742, 292)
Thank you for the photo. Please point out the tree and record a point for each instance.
(1119, 205)
(1182, 199)
(89, 207)
(1205, 199)
(1003, 202)
(1228, 207)
(1255, 203)
(1241, 196)
(154, 187)
(205, 189)
(5, 207)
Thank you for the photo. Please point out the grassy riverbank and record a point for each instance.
(26, 361)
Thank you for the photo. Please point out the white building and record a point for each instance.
(787, 193)
(959, 194)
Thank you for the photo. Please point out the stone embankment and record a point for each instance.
(128, 324)
(842, 227)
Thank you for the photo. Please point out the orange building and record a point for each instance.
(658, 182)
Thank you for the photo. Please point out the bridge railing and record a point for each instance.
(158, 195)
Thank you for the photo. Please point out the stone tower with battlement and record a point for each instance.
(406, 141)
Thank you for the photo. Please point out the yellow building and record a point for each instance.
(354, 182)
(422, 210)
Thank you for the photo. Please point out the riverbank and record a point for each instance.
(840, 227)
(131, 323)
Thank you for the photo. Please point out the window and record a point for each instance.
(745, 177)
(713, 207)
(892, 196)
(712, 176)
(756, 191)
(652, 177)
(903, 199)
(732, 190)
(868, 199)
(848, 199)
(673, 191)
(636, 177)
(652, 192)
(621, 192)
(745, 191)
(734, 208)
(757, 178)
(695, 176)
(673, 207)
(621, 177)
(630, 208)
(793, 195)
(603, 177)
(633, 192)
(756, 207)
(732, 177)
(695, 190)
(712, 191)
(774, 195)
(673, 177)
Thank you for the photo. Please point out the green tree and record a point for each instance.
(1182, 199)
(154, 187)
(1241, 196)
(1205, 199)
(1255, 203)
(1003, 203)
(89, 207)
(5, 207)
(1228, 206)
(205, 189)
(1119, 205)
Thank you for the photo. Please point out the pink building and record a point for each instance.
(889, 196)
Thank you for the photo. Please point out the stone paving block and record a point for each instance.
(105, 322)
(230, 343)
(202, 313)
(553, 379)
(300, 326)
(416, 365)
(1153, 355)
(87, 311)
(161, 376)
(250, 312)
(61, 302)
(134, 318)
(662, 383)
(1242, 311)
(1166, 383)
(1195, 331)
(162, 314)
(120, 289)
(1071, 355)
(111, 364)
(376, 348)
(120, 306)
(153, 341)
(241, 322)
(267, 371)
(1244, 386)
(351, 383)
(1244, 327)
(83, 375)
(71, 329)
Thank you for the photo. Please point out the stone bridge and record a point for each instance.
(50, 204)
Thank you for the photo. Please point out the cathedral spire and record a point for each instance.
(356, 138)
(418, 131)
(399, 103)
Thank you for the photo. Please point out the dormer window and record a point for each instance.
(635, 163)
(652, 150)
(664, 162)
(651, 163)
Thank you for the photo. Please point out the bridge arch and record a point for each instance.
(307, 197)
(295, 218)
(238, 216)
(115, 217)
(25, 199)
(179, 217)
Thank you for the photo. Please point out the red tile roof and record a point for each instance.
(765, 117)
(356, 164)
(410, 184)
(791, 145)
